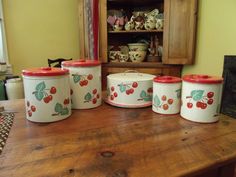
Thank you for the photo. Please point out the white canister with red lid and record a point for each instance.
(201, 96)
(166, 94)
(47, 94)
(85, 83)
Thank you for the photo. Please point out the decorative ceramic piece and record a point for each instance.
(85, 82)
(123, 57)
(159, 24)
(47, 94)
(201, 95)
(129, 25)
(166, 95)
(137, 56)
(131, 90)
(114, 56)
(137, 47)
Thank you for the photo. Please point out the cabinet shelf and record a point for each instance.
(136, 31)
(135, 65)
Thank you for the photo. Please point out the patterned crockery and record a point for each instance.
(137, 46)
(131, 90)
(124, 57)
(201, 96)
(129, 25)
(47, 94)
(166, 95)
(114, 55)
(85, 82)
(137, 56)
(159, 24)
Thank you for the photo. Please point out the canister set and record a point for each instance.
(51, 93)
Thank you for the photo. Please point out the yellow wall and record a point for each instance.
(40, 29)
(216, 36)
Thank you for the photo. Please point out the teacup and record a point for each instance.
(129, 25)
(117, 27)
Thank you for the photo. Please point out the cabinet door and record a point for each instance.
(179, 31)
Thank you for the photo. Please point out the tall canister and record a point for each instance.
(201, 96)
(85, 82)
(166, 94)
(47, 94)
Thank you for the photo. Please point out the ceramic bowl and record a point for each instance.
(137, 47)
(123, 57)
(137, 56)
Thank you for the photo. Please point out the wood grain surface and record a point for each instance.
(117, 142)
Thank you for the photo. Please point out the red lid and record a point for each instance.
(204, 79)
(45, 71)
(81, 62)
(167, 79)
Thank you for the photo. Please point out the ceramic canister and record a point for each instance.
(130, 90)
(201, 96)
(85, 82)
(14, 88)
(166, 94)
(47, 94)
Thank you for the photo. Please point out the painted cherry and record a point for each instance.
(131, 91)
(98, 96)
(189, 105)
(81, 83)
(127, 92)
(150, 90)
(170, 101)
(163, 98)
(94, 101)
(210, 94)
(199, 104)
(29, 113)
(53, 90)
(33, 108)
(94, 91)
(135, 85)
(210, 101)
(50, 97)
(66, 101)
(204, 106)
(115, 94)
(112, 97)
(46, 99)
(165, 106)
(85, 82)
(90, 77)
(112, 88)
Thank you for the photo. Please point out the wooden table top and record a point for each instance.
(115, 142)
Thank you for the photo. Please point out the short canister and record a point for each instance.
(201, 96)
(85, 83)
(47, 94)
(14, 88)
(166, 94)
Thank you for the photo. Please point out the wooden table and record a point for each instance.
(116, 142)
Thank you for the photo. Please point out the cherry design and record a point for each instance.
(30, 109)
(83, 80)
(42, 93)
(202, 101)
(128, 88)
(112, 94)
(162, 103)
(92, 97)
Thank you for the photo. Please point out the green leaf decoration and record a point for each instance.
(178, 92)
(39, 95)
(58, 108)
(148, 98)
(157, 101)
(76, 78)
(197, 94)
(41, 86)
(88, 97)
(122, 88)
(65, 111)
(143, 94)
